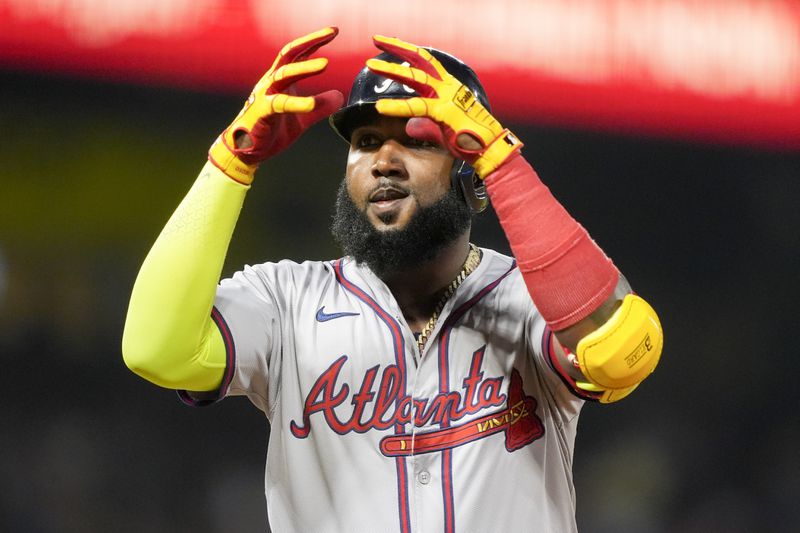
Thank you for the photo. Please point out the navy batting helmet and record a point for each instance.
(369, 87)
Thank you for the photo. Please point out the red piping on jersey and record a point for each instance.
(550, 356)
(399, 355)
(444, 387)
(230, 364)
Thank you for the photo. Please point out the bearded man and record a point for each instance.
(418, 383)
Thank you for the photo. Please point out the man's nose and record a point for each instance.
(389, 161)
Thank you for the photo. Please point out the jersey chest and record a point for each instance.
(358, 370)
(362, 408)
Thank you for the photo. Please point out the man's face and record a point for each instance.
(396, 209)
(390, 175)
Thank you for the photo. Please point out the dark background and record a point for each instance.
(90, 172)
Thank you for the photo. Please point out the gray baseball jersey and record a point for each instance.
(475, 434)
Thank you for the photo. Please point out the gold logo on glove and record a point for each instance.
(464, 98)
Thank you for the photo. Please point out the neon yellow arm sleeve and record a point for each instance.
(169, 336)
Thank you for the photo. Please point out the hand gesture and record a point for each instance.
(273, 117)
(446, 112)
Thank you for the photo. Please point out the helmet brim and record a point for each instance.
(369, 87)
(348, 118)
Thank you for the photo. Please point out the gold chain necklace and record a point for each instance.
(472, 262)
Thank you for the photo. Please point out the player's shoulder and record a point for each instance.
(504, 269)
(498, 264)
(302, 268)
(287, 273)
(497, 259)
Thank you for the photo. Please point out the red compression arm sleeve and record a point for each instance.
(567, 274)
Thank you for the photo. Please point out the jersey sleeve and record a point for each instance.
(539, 340)
(247, 311)
(546, 346)
(258, 311)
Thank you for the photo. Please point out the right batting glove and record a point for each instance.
(273, 117)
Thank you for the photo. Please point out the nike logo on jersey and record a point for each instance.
(322, 316)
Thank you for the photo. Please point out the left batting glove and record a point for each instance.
(461, 124)
(273, 117)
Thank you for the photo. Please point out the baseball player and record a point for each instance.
(419, 383)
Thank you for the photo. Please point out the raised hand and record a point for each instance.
(274, 116)
(446, 111)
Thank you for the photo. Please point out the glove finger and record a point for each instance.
(425, 129)
(416, 56)
(292, 104)
(405, 107)
(324, 104)
(469, 142)
(417, 79)
(304, 46)
(281, 103)
(294, 72)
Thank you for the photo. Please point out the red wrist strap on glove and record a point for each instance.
(567, 274)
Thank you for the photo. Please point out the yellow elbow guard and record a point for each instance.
(618, 355)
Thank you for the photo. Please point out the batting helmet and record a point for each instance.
(369, 87)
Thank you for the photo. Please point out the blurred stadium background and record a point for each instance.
(669, 128)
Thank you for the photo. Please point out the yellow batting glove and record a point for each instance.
(273, 117)
(469, 130)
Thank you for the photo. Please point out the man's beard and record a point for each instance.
(430, 230)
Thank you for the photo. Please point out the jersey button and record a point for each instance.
(424, 477)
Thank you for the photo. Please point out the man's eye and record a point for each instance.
(419, 143)
(367, 141)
